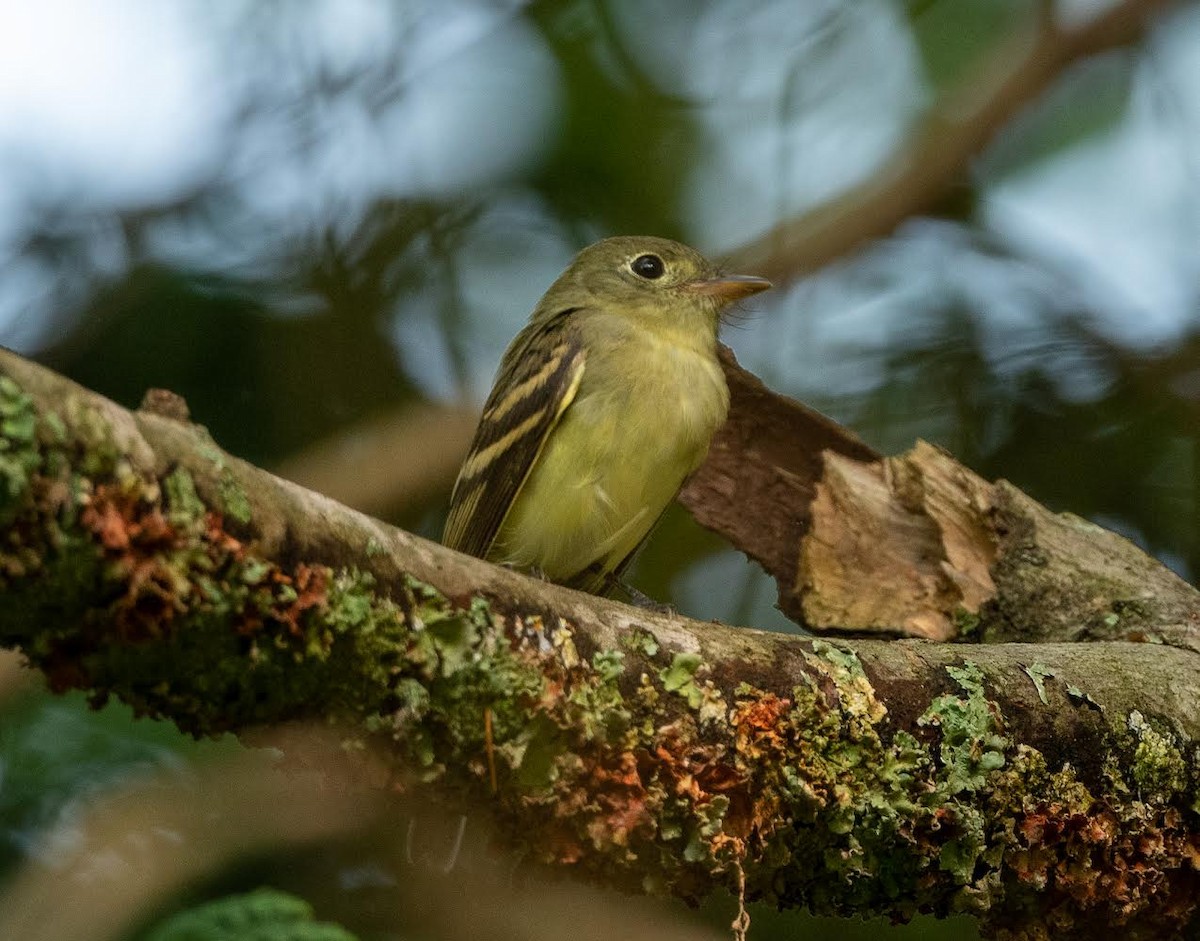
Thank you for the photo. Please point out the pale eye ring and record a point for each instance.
(650, 267)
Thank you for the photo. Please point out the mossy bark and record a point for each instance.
(1049, 789)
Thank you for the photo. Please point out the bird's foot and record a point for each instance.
(640, 599)
(531, 572)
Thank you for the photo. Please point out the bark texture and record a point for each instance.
(1048, 788)
(918, 545)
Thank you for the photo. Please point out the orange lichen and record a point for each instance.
(137, 541)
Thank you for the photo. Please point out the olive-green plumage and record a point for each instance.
(602, 407)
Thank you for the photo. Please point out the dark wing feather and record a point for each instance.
(538, 379)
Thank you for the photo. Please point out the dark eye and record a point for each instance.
(647, 266)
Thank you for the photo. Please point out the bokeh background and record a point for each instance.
(321, 221)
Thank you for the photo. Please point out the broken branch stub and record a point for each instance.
(918, 545)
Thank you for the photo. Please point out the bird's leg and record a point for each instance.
(638, 598)
(534, 572)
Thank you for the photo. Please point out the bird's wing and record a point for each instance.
(538, 379)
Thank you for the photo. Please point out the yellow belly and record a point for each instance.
(613, 463)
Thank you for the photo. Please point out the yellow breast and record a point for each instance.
(640, 424)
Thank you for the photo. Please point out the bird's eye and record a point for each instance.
(647, 266)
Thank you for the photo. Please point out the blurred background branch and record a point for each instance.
(146, 843)
(388, 464)
(935, 159)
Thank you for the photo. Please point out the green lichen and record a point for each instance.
(467, 675)
(640, 640)
(857, 696)
(960, 855)
(18, 416)
(680, 678)
(1159, 768)
(233, 497)
(1039, 672)
(1075, 692)
(842, 798)
(710, 818)
(609, 665)
(54, 429)
(184, 505)
(702, 696)
(97, 451)
(234, 502)
(842, 657)
(19, 455)
(971, 744)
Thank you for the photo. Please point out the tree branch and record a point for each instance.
(1042, 787)
(917, 545)
(939, 152)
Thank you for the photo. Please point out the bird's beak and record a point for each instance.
(730, 287)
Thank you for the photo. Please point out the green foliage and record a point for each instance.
(262, 915)
(1090, 102)
(55, 752)
(954, 36)
(609, 99)
(263, 383)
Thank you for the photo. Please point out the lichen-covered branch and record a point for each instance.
(1049, 789)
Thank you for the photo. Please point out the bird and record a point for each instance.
(603, 405)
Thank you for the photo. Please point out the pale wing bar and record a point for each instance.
(538, 379)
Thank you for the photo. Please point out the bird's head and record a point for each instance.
(647, 277)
